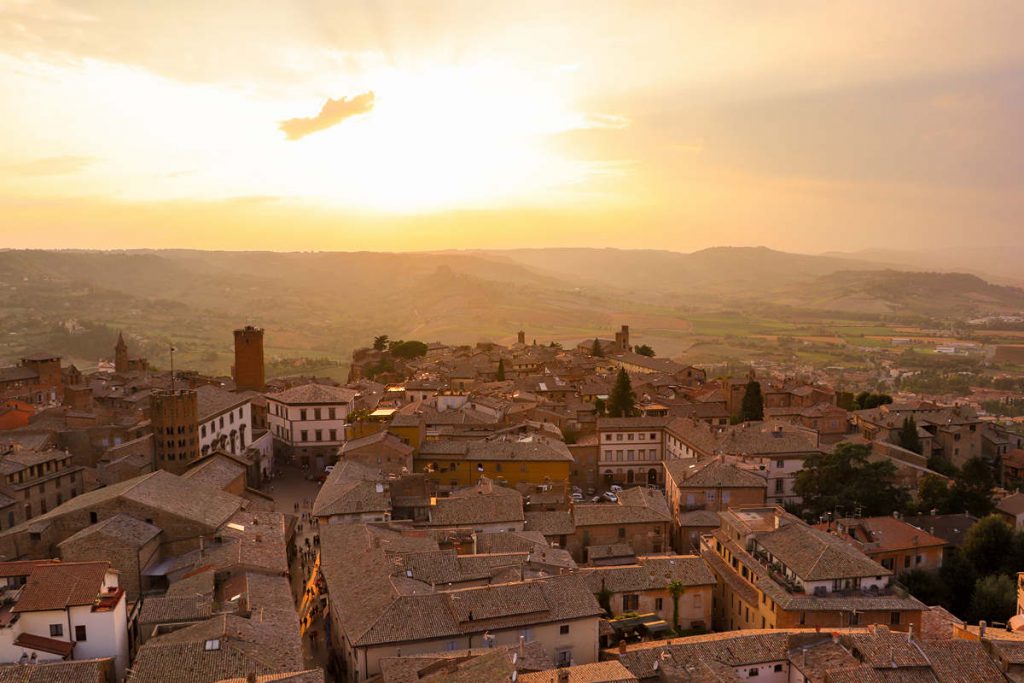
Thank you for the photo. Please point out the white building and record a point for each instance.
(308, 421)
(225, 420)
(65, 610)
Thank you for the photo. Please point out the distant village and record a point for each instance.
(528, 512)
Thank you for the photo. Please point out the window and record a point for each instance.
(725, 496)
(753, 673)
(698, 601)
(779, 484)
(630, 603)
(93, 518)
(212, 644)
(334, 434)
(894, 619)
(658, 604)
(305, 435)
(302, 413)
(778, 668)
(563, 629)
(319, 435)
(918, 559)
(332, 413)
(80, 633)
(56, 630)
(906, 561)
(618, 437)
(607, 437)
(779, 464)
(622, 532)
(709, 495)
(629, 437)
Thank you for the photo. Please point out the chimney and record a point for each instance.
(982, 625)
(563, 676)
(622, 647)
(522, 646)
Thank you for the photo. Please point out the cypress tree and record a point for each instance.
(752, 408)
(622, 400)
(908, 435)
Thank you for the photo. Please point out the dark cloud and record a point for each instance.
(332, 113)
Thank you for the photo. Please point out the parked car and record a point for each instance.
(615, 488)
(328, 469)
(577, 497)
(596, 499)
(591, 490)
(610, 497)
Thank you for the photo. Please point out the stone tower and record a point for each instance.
(522, 338)
(248, 369)
(121, 355)
(175, 418)
(622, 339)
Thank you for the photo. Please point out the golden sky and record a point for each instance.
(805, 126)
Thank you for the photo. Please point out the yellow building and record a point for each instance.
(509, 463)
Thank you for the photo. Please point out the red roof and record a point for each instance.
(54, 647)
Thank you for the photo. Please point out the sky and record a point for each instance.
(330, 125)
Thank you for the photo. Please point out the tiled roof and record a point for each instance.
(169, 609)
(517, 451)
(478, 507)
(879, 534)
(382, 608)
(21, 567)
(314, 393)
(120, 528)
(712, 474)
(596, 672)
(58, 586)
(550, 523)
(223, 647)
(651, 573)
(53, 646)
(161, 490)
(814, 555)
(213, 401)
(80, 671)
(216, 470)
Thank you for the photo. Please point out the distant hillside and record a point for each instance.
(323, 305)
(940, 295)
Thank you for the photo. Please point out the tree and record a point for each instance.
(933, 494)
(501, 370)
(644, 350)
(380, 342)
(408, 349)
(866, 400)
(972, 491)
(927, 587)
(908, 437)
(599, 407)
(959, 577)
(752, 408)
(595, 349)
(845, 481)
(985, 544)
(622, 400)
(676, 590)
(604, 599)
(995, 599)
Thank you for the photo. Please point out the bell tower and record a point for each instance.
(121, 355)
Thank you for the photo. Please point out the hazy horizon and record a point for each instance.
(408, 126)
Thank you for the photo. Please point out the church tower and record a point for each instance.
(248, 370)
(121, 364)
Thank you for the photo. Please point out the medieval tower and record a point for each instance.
(175, 418)
(248, 369)
(121, 364)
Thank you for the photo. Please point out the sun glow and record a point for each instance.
(438, 137)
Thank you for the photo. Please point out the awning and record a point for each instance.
(657, 626)
(160, 569)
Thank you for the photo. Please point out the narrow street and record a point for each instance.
(294, 494)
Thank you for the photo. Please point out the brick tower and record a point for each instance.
(248, 368)
(175, 418)
(121, 364)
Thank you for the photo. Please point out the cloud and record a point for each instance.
(332, 113)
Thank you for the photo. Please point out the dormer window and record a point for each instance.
(212, 645)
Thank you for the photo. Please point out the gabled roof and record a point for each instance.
(315, 394)
(62, 585)
(712, 474)
(120, 528)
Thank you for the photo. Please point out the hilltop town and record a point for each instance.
(533, 511)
